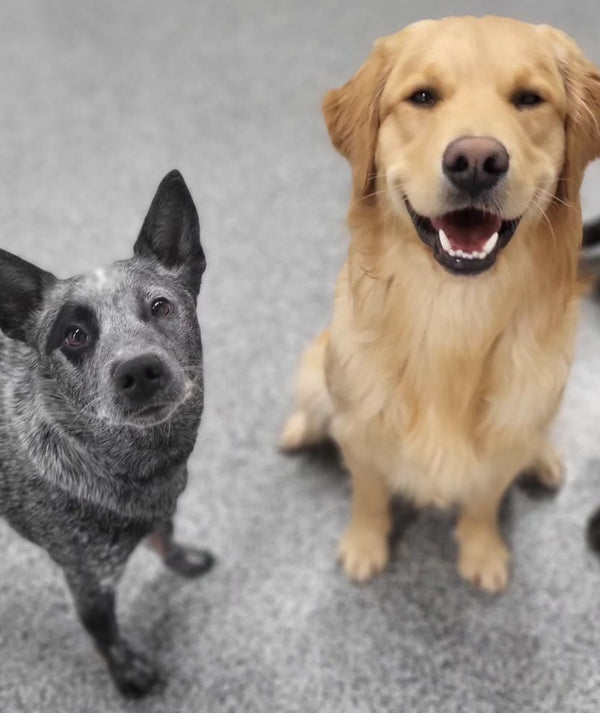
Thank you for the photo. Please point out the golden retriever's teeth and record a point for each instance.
(490, 244)
(447, 247)
(445, 242)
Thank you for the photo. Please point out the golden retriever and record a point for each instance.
(455, 313)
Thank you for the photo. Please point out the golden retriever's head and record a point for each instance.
(469, 126)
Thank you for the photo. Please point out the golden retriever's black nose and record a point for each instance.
(475, 163)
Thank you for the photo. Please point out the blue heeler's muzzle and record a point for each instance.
(141, 378)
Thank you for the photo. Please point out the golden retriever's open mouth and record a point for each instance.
(466, 241)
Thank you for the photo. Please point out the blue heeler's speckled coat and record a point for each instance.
(101, 395)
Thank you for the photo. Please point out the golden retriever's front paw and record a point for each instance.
(485, 563)
(364, 553)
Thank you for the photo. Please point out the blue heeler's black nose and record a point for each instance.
(140, 378)
(475, 163)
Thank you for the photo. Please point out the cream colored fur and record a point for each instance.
(437, 386)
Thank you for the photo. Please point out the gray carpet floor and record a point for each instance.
(98, 101)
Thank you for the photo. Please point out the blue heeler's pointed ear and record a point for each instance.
(22, 288)
(171, 231)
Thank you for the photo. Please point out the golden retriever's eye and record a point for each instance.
(423, 97)
(525, 99)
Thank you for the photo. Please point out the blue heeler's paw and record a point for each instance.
(187, 561)
(132, 673)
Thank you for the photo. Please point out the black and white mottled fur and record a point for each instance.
(101, 394)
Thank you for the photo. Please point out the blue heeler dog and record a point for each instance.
(101, 394)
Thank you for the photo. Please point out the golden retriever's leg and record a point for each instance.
(483, 556)
(308, 423)
(548, 467)
(364, 547)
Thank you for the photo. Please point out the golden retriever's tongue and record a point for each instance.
(468, 230)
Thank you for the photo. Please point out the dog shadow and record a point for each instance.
(324, 457)
(327, 460)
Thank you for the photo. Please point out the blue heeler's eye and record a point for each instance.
(75, 338)
(161, 307)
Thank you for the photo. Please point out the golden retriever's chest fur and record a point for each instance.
(441, 381)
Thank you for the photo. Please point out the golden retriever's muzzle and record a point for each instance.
(468, 239)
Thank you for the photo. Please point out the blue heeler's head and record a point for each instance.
(122, 344)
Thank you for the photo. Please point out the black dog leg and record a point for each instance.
(183, 560)
(132, 673)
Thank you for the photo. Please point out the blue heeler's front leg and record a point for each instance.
(184, 560)
(132, 673)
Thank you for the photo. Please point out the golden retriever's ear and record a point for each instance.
(582, 125)
(352, 117)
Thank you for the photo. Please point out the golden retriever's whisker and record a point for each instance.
(366, 196)
(554, 197)
(544, 215)
(538, 207)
